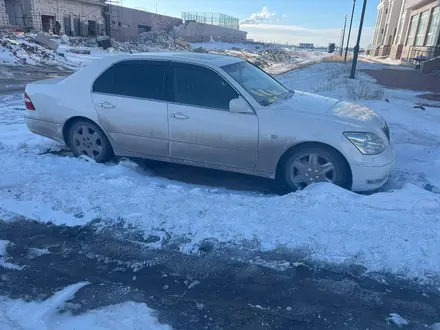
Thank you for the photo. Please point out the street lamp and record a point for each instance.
(343, 34)
(349, 31)
(356, 48)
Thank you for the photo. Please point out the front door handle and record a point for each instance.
(178, 115)
(106, 105)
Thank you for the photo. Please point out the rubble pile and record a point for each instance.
(22, 49)
(277, 55)
(162, 40)
(83, 42)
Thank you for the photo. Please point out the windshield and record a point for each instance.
(263, 88)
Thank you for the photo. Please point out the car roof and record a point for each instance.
(188, 57)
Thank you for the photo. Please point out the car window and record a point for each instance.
(199, 86)
(104, 83)
(143, 79)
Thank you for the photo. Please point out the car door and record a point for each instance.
(201, 127)
(129, 98)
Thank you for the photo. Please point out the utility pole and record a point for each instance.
(343, 34)
(356, 48)
(349, 31)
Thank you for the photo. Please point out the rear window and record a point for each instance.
(104, 83)
(142, 79)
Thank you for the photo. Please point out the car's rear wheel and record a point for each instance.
(311, 164)
(86, 138)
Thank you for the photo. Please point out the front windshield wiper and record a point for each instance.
(288, 95)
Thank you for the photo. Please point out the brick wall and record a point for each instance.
(201, 32)
(4, 20)
(124, 22)
(61, 9)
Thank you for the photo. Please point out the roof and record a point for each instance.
(189, 57)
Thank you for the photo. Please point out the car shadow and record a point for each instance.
(200, 176)
(213, 178)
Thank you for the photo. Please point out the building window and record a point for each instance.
(420, 35)
(412, 30)
(434, 26)
(143, 28)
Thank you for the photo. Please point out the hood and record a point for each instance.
(317, 104)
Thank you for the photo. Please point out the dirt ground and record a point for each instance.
(14, 78)
(405, 79)
(208, 290)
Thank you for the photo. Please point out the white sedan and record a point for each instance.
(213, 111)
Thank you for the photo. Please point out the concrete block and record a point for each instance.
(430, 65)
(41, 38)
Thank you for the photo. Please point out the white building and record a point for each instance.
(407, 28)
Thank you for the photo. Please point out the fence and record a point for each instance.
(213, 19)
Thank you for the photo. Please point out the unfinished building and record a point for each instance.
(201, 27)
(72, 17)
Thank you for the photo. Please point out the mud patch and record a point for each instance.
(211, 290)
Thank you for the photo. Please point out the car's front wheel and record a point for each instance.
(86, 138)
(310, 164)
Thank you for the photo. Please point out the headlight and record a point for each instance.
(367, 143)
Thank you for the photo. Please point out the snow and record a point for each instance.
(3, 245)
(397, 320)
(3, 262)
(21, 315)
(395, 230)
(218, 45)
(81, 60)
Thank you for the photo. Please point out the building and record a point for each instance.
(201, 27)
(306, 46)
(73, 17)
(93, 17)
(126, 24)
(407, 29)
(218, 19)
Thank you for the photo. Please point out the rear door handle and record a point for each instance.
(178, 115)
(106, 105)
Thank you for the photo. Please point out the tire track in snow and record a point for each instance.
(200, 291)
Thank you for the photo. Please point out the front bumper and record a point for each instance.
(367, 178)
(44, 128)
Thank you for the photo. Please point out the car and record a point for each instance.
(213, 111)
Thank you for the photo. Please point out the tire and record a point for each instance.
(310, 164)
(86, 138)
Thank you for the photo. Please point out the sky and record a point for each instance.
(285, 21)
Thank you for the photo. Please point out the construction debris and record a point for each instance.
(22, 49)
(103, 42)
(80, 51)
(200, 50)
(162, 40)
(42, 39)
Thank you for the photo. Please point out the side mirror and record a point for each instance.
(239, 105)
